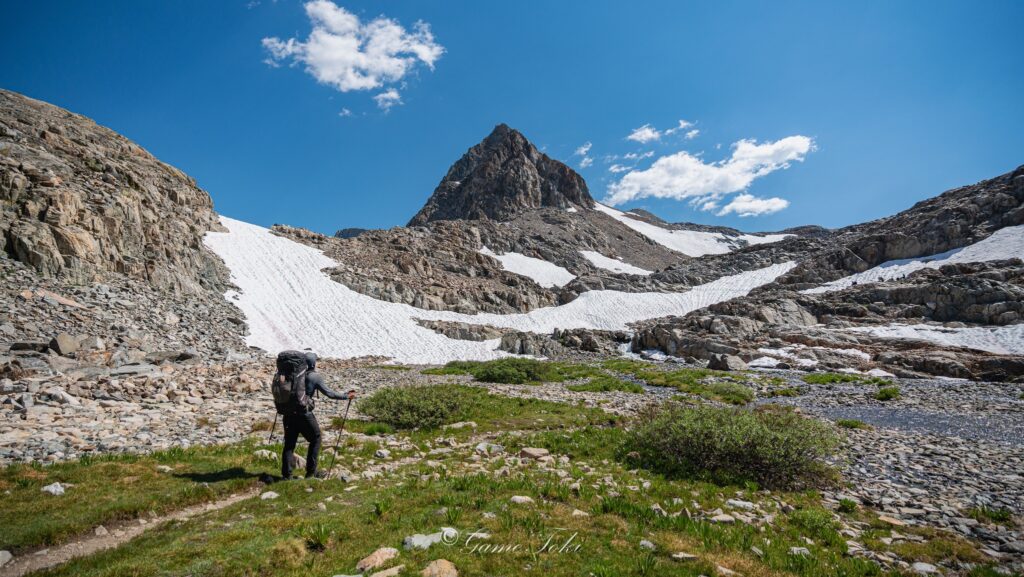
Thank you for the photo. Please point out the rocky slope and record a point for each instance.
(79, 200)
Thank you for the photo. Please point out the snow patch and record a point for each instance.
(289, 303)
(1007, 340)
(689, 242)
(764, 363)
(600, 261)
(1004, 243)
(544, 273)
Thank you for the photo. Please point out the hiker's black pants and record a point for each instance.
(301, 424)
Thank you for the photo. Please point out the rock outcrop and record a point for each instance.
(78, 200)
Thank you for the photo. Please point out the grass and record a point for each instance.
(840, 378)
(116, 487)
(292, 537)
(990, 515)
(852, 424)
(887, 393)
(516, 371)
(428, 407)
(606, 383)
(399, 368)
(325, 527)
(772, 446)
(847, 506)
(700, 382)
(784, 392)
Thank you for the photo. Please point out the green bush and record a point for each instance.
(515, 371)
(834, 378)
(887, 393)
(817, 524)
(605, 383)
(784, 392)
(410, 407)
(773, 446)
(852, 424)
(693, 381)
(847, 505)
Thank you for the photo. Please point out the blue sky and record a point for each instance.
(871, 105)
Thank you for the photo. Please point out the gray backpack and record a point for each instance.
(289, 384)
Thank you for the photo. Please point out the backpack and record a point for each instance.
(289, 384)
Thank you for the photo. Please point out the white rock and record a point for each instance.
(723, 518)
(5, 557)
(377, 558)
(533, 453)
(803, 551)
(101, 531)
(738, 504)
(924, 568)
(645, 544)
(684, 556)
(55, 489)
(269, 495)
(521, 500)
(382, 454)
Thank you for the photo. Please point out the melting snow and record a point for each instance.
(1004, 243)
(1008, 340)
(689, 242)
(600, 261)
(289, 303)
(543, 272)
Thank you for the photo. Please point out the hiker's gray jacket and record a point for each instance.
(314, 383)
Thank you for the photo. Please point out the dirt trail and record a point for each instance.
(116, 536)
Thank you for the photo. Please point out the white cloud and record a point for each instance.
(345, 112)
(347, 54)
(683, 125)
(690, 135)
(617, 168)
(644, 134)
(638, 155)
(584, 150)
(750, 205)
(385, 100)
(685, 176)
(648, 133)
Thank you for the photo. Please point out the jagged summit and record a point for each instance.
(500, 177)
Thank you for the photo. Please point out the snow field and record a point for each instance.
(600, 261)
(544, 273)
(289, 303)
(1005, 243)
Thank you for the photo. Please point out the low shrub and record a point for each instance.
(847, 506)
(772, 446)
(887, 393)
(515, 371)
(783, 392)
(410, 407)
(605, 383)
(836, 378)
(852, 424)
(990, 515)
(694, 381)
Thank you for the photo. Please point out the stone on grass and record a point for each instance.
(892, 521)
(802, 551)
(738, 504)
(421, 541)
(265, 455)
(382, 454)
(55, 489)
(725, 571)
(101, 531)
(377, 559)
(645, 544)
(924, 568)
(578, 513)
(392, 572)
(5, 557)
(440, 568)
(269, 495)
(521, 500)
(486, 448)
(723, 518)
(532, 453)
(684, 556)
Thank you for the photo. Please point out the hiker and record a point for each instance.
(295, 385)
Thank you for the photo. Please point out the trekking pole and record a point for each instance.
(334, 451)
(272, 427)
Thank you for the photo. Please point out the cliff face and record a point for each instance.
(499, 178)
(78, 200)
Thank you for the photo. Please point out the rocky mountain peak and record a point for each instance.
(499, 178)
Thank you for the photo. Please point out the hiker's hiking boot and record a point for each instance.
(318, 475)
